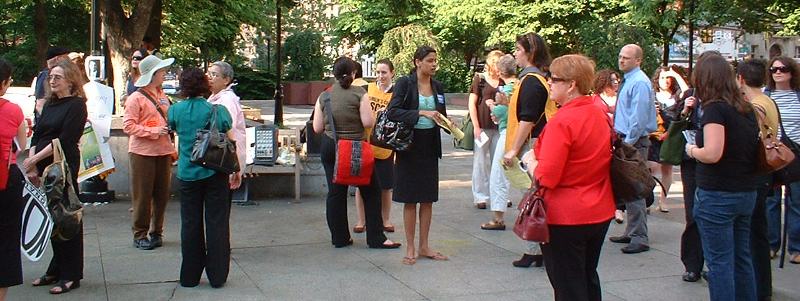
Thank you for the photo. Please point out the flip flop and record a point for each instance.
(409, 260)
(437, 256)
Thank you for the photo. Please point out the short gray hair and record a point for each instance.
(507, 65)
(225, 68)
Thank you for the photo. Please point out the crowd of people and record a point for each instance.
(557, 116)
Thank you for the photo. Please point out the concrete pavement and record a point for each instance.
(282, 251)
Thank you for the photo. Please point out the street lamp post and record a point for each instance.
(278, 71)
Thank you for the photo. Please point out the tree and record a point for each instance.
(366, 21)
(123, 32)
(305, 61)
(399, 45)
(663, 18)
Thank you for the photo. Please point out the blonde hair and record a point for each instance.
(491, 62)
(577, 68)
(73, 77)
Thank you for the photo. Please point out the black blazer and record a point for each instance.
(404, 105)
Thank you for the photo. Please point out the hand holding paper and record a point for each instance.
(448, 125)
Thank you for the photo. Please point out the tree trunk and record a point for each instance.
(154, 28)
(665, 58)
(40, 32)
(123, 34)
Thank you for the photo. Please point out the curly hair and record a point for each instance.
(603, 80)
(794, 82)
(193, 83)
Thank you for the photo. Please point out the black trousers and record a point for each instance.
(67, 261)
(336, 203)
(209, 197)
(691, 247)
(759, 244)
(11, 207)
(571, 258)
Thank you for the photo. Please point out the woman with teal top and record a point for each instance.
(204, 192)
(417, 100)
(498, 182)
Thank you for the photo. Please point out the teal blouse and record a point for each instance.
(185, 118)
(501, 113)
(426, 103)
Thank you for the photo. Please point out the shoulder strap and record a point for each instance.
(153, 101)
(547, 88)
(326, 101)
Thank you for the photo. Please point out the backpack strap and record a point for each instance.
(326, 102)
(153, 101)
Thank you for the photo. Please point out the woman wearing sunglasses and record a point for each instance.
(134, 74)
(783, 86)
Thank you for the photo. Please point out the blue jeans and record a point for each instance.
(723, 220)
(774, 218)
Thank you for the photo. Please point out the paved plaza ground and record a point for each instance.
(282, 251)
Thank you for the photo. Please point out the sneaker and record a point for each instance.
(156, 241)
(142, 244)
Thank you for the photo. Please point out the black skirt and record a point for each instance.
(11, 206)
(416, 171)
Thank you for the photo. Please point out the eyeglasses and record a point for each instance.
(55, 77)
(213, 75)
(137, 58)
(558, 79)
(782, 69)
(615, 81)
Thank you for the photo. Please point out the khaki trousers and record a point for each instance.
(150, 180)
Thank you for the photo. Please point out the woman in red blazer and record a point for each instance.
(574, 157)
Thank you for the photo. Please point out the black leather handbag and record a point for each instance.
(214, 150)
(396, 135)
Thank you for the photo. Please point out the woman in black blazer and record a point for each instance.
(417, 100)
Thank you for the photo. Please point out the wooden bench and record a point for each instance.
(290, 137)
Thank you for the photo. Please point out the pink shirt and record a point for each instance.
(10, 119)
(228, 99)
(143, 123)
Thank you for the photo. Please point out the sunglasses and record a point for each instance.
(782, 69)
(137, 58)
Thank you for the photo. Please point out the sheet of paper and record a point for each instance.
(690, 136)
(482, 139)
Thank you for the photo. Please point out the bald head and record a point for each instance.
(630, 57)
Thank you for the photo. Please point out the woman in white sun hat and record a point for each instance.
(151, 152)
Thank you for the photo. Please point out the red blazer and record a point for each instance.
(574, 157)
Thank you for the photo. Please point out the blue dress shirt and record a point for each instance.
(635, 115)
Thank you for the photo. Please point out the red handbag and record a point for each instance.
(531, 223)
(354, 163)
(354, 158)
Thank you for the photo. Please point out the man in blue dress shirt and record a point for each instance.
(634, 120)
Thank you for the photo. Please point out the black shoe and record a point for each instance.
(704, 274)
(156, 241)
(342, 245)
(620, 239)
(633, 250)
(691, 277)
(526, 261)
(142, 244)
(217, 285)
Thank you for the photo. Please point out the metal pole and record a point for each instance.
(691, 36)
(278, 71)
(94, 29)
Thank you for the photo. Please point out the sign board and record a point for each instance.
(36, 222)
(96, 156)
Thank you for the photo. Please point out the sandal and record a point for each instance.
(409, 260)
(45, 280)
(389, 228)
(64, 288)
(359, 229)
(493, 225)
(436, 256)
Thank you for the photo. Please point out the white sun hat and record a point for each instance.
(148, 66)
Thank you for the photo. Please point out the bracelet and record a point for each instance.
(690, 152)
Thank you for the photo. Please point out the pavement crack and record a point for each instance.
(263, 293)
(102, 265)
(391, 275)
